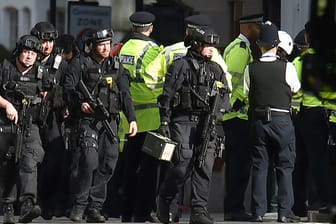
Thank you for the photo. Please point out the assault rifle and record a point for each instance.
(20, 129)
(209, 127)
(100, 112)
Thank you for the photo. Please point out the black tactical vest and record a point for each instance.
(17, 86)
(102, 81)
(194, 94)
(19, 89)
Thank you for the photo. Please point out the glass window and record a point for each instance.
(11, 15)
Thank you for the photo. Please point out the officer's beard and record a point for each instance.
(43, 57)
(207, 57)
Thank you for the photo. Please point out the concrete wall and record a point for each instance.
(222, 15)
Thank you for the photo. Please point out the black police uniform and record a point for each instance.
(15, 87)
(95, 157)
(54, 170)
(275, 128)
(183, 106)
(271, 82)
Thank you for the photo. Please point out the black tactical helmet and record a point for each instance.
(27, 42)
(199, 36)
(98, 36)
(44, 31)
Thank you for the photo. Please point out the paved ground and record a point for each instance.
(269, 218)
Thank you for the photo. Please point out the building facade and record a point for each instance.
(17, 17)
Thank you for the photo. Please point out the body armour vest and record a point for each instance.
(17, 86)
(23, 89)
(101, 80)
(52, 67)
(194, 96)
(268, 86)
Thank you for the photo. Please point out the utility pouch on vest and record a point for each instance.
(114, 103)
(200, 99)
(176, 99)
(186, 99)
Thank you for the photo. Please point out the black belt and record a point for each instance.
(190, 117)
(272, 111)
(267, 113)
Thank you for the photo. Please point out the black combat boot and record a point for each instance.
(93, 215)
(29, 211)
(164, 212)
(200, 218)
(8, 213)
(76, 214)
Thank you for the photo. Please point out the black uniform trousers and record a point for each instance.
(140, 180)
(184, 165)
(24, 173)
(54, 170)
(237, 164)
(93, 164)
(332, 160)
(310, 177)
(276, 137)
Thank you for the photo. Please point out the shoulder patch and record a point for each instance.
(242, 44)
(127, 59)
(177, 56)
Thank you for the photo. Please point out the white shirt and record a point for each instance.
(291, 76)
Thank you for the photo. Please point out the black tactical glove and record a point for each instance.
(164, 129)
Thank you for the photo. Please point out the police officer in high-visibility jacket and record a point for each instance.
(140, 169)
(313, 128)
(237, 154)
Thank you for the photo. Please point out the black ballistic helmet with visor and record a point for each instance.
(29, 42)
(44, 31)
(269, 36)
(98, 36)
(200, 36)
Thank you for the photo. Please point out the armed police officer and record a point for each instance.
(53, 183)
(194, 88)
(97, 86)
(21, 147)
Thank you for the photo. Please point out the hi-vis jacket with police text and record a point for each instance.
(135, 54)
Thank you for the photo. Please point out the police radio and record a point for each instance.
(57, 60)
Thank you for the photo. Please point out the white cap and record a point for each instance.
(286, 41)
